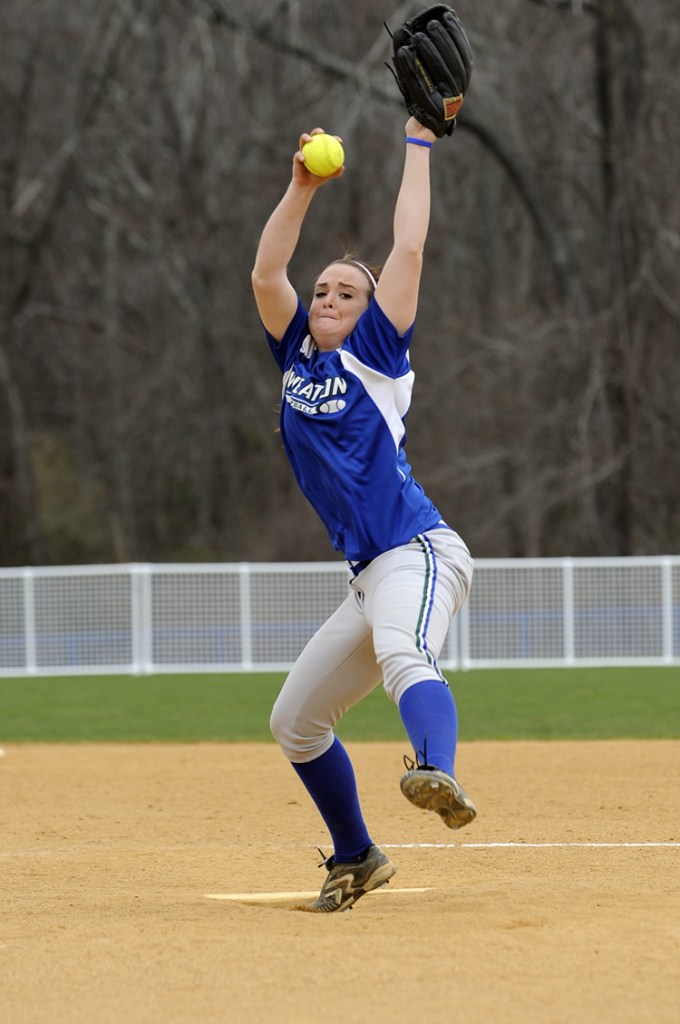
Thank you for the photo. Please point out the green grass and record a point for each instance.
(499, 704)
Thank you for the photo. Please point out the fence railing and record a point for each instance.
(256, 616)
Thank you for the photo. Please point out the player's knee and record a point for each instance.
(402, 669)
(280, 726)
(397, 675)
(299, 740)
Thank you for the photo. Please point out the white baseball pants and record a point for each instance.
(391, 627)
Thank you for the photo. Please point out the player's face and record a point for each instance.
(340, 297)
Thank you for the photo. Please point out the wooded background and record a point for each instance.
(143, 145)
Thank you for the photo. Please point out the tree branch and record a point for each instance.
(575, 6)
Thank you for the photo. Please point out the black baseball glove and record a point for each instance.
(432, 66)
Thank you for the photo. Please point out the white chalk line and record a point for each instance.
(522, 846)
(670, 845)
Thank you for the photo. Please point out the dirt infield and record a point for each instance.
(560, 903)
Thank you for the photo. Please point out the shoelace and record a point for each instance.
(326, 862)
(329, 862)
(420, 761)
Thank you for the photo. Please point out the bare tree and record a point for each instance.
(141, 155)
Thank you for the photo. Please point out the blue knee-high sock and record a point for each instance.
(331, 783)
(428, 712)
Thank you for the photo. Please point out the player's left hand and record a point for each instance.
(432, 66)
(415, 130)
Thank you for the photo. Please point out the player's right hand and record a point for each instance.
(301, 176)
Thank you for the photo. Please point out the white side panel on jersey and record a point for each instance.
(391, 397)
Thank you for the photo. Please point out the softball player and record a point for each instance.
(347, 385)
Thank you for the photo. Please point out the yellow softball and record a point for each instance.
(324, 155)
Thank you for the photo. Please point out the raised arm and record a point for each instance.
(275, 296)
(397, 291)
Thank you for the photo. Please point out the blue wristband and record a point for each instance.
(419, 142)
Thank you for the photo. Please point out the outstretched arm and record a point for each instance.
(275, 296)
(397, 291)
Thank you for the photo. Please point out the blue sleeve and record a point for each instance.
(285, 351)
(377, 343)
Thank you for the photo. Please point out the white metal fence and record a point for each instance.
(227, 617)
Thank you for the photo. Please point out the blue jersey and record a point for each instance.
(342, 425)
